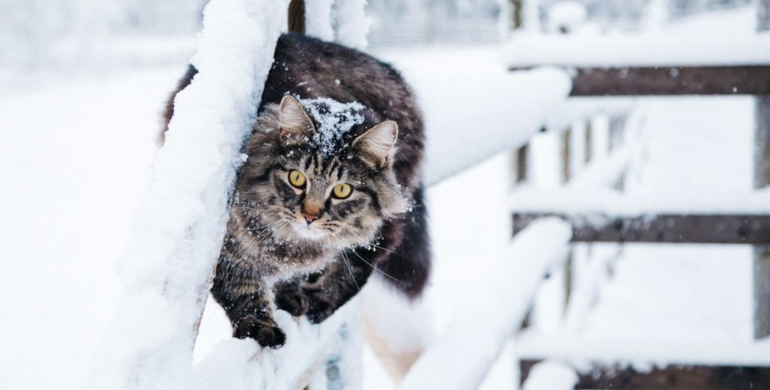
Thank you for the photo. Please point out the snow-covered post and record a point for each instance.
(352, 25)
(762, 180)
(178, 228)
(318, 19)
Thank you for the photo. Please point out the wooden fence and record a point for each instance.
(752, 228)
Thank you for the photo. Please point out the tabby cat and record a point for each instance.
(329, 193)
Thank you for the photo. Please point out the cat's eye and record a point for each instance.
(297, 179)
(342, 191)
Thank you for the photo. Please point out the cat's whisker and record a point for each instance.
(373, 267)
(386, 250)
(347, 264)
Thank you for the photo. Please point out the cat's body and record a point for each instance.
(327, 160)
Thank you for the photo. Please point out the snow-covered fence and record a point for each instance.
(586, 150)
(460, 359)
(623, 66)
(178, 230)
(179, 226)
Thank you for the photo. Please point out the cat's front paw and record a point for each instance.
(319, 308)
(265, 331)
(291, 299)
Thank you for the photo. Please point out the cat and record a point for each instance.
(329, 193)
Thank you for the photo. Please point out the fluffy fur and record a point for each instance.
(303, 249)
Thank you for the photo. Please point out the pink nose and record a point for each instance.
(309, 218)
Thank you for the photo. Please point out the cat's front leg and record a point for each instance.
(328, 290)
(289, 297)
(247, 302)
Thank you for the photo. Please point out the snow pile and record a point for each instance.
(334, 120)
(179, 226)
(462, 356)
(352, 23)
(551, 375)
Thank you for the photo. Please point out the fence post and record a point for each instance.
(762, 179)
(762, 252)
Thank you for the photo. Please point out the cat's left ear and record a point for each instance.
(378, 141)
(293, 119)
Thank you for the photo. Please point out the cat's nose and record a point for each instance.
(309, 218)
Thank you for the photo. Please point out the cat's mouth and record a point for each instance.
(308, 231)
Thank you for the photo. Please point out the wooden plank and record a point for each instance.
(661, 228)
(566, 152)
(761, 283)
(762, 143)
(761, 266)
(672, 377)
(666, 80)
(522, 155)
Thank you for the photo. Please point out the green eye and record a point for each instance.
(342, 191)
(297, 179)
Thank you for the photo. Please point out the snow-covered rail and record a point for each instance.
(460, 359)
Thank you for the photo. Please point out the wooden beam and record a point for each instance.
(761, 266)
(661, 228)
(296, 16)
(666, 80)
(521, 157)
(671, 377)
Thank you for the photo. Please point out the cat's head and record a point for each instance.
(317, 173)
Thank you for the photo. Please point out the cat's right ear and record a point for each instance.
(295, 123)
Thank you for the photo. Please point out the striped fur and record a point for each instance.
(270, 255)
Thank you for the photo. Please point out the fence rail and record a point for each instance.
(661, 228)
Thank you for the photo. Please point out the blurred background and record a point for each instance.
(77, 34)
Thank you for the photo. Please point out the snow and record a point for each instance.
(643, 50)
(68, 182)
(461, 357)
(673, 177)
(407, 326)
(664, 304)
(566, 14)
(334, 120)
(471, 93)
(352, 24)
(728, 38)
(178, 227)
(318, 19)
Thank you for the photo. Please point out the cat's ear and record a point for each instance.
(378, 141)
(293, 119)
